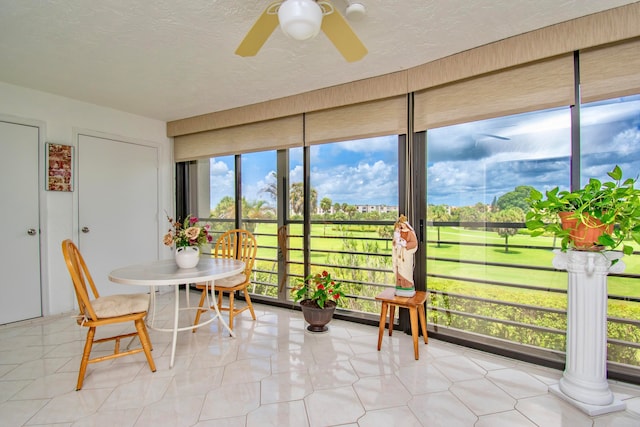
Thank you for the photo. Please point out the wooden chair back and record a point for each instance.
(81, 277)
(238, 244)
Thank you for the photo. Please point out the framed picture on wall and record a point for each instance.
(59, 167)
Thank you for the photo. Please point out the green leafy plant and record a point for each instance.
(187, 233)
(616, 204)
(318, 289)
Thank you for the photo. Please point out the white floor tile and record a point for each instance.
(288, 386)
(401, 416)
(482, 396)
(279, 414)
(231, 400)
(381, 392)
(333, 407)
(442, 409)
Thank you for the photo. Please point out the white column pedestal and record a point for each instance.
(584, 381)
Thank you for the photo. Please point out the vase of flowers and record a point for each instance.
(187, 236)
(318, 295)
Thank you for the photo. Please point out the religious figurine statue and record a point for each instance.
(405, 245)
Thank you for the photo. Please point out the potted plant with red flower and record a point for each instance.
(318, 295)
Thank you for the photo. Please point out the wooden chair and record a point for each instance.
(98, 311)
(239, 244)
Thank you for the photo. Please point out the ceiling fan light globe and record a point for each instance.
(356, 11)
(300, 19)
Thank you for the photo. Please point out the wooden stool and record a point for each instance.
(415, 304)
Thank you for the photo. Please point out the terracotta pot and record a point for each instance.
(566, 221)
(317, 317)
(584, 236)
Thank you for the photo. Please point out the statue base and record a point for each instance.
(408, 293)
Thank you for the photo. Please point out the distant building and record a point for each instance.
(365, 209)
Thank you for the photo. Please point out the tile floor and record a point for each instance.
(276, 374)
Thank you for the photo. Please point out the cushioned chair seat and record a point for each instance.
(120, 305)
(230, 281)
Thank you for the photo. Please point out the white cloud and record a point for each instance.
(364, 183)
(371, 145)
(221, 182)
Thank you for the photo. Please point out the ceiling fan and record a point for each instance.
(302, 20)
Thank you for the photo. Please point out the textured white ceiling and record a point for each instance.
(170, 59)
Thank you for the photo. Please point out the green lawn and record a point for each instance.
(489, 254)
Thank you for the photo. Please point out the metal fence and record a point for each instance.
(501, 294)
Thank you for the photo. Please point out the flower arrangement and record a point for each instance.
(187, 233)
(318, 289)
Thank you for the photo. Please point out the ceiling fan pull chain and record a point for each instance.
(327, 8)
(272, 9)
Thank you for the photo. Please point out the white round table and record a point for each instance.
(167, 272)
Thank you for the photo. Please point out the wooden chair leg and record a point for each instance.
(200, 305)
(85, 356)
(413, 315)
(220, 294)
(231, 312)
(145, 342)
(392, 315)
(247, 298)
(383, 319)
(423, 322)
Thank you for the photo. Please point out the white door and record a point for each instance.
(20, 292)
(117, 207)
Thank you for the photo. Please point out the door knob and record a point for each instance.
(85, 229)
(31, 232)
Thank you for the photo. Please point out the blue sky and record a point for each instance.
(466, 163)
(354, 172)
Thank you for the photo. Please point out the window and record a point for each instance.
(354, 203)
(222, 192)
(611, 136)
(485, 273)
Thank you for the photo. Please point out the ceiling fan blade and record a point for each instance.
(259, 33)
(342, 36)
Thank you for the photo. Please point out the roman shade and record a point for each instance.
(376, 118)
(274, 134)
(535, 86)
(610, 71)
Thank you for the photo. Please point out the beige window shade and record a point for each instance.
(535, 86)
(375, 118)
(268, 135)
(610, 72)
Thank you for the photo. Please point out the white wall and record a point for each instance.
(60, 117)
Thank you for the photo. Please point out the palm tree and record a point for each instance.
(226, 208)
(257, 209)
(296, 198)
(271, 187)
(325, 205)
